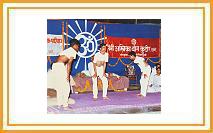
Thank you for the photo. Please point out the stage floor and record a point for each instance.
(119, 103)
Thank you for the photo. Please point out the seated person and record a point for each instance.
(154, 71)
(112, 75)
(118, 82)
(80, 80)
(155, 83)
(86, 73)
(130, 70)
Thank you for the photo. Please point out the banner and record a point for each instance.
(54, 44)
(133, 30)
(119, 47)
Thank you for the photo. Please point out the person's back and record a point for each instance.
(69, 53)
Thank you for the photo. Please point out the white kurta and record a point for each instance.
(99, 59)
(139, 61)
(70, 52)
(146, 70)
(156, 84)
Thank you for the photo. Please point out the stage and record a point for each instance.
(119, 103)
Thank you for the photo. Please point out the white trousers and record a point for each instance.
(56, 78)
(104, 80)
(144, 82)
(154, 88)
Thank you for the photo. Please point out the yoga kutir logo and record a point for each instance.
(88, 39)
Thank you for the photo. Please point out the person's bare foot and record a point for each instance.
(66, 108)
(95, 99)
(71, 101)
(140, 95)
(105, 98)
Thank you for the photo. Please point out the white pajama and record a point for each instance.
(95, 87)
(144, 82)
(95, 82)
(100, 71)
(56, 78)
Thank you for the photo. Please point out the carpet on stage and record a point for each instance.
(119, 103)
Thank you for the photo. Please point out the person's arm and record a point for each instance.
(145, 72)
(104, 66)
(95, 70)
(94, 66)
(69, 64)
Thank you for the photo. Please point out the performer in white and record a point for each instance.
(59, 77)
(99, 64)
(94, 78)
(145, 70)
(155, 83)
(154, 72)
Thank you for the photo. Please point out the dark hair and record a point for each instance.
(132, 53)
(158, 68)
(74, 42)
(102, 45)
(157, 65)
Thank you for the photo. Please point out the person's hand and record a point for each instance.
(68, 78)
(104, 74)
(118, 77)
(95, 75)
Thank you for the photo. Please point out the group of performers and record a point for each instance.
(59, 77)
